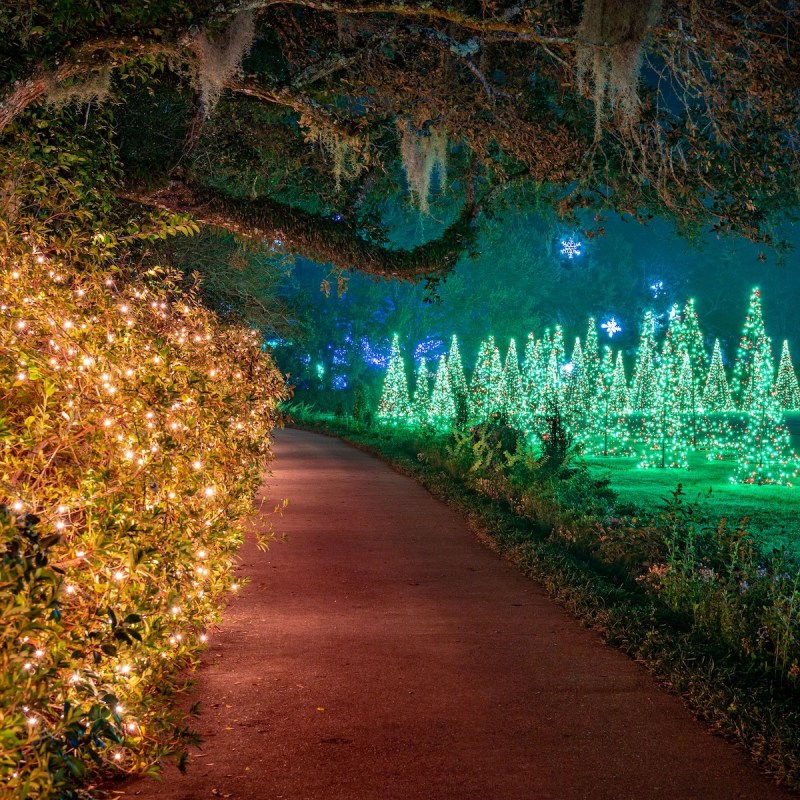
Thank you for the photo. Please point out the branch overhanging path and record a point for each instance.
(322, 239)
(383, 652)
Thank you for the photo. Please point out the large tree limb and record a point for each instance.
(316, 237)
(90, 57)
(520, 30)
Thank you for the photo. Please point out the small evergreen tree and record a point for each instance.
(618, 393)
(578, 394)
(591, 354)
(745, 386)
(458, 381)
(763, 451)
(395, 406)
(511, 387)
(484, 388)
(717, 393)
(643, 385)
(532, 380)
(786, 388)
(442, 408)
(422, 392)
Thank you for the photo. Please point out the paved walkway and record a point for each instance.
(384, 654)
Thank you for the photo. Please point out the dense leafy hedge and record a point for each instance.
(134, 430)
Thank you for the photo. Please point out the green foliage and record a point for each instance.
(135, 428)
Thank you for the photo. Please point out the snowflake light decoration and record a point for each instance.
(570, 248)
(611, 327)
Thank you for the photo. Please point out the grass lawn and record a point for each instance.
(773, 511)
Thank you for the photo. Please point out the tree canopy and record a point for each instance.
(292, 122)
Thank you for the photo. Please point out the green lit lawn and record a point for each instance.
(774, 511)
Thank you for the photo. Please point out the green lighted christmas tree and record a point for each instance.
(442, 408)
(786, 388)
(395, 406)
(665, 431)
(484, 388)
(763, 451)
(754, 341)
(643, 385)
(605, 431)
(618, 393)
(458, 381)
(511, 401)
(532, 380)
(696, 349)
(717, 393)
(422, 392)
(578, 395)
(591, 354)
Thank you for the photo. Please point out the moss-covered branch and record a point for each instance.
(319, 238)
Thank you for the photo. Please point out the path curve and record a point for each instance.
(383, 653)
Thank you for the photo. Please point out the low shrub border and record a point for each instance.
(732, 697)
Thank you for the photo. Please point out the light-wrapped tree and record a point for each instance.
(717, 393)
(394, 407)
(786, 387)
(442, 408)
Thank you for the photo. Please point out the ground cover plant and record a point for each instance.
(692, 596)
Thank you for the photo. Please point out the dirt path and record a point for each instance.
(384, 654)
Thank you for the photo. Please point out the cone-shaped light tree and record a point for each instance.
(606, 430)
(643, 385)
(717, 393)
(763, 451)
(578, 396)
(591, 354)
(458, 381)
(786, 388)
(511, 387)
(422, 392)
(484, 388)
(395, 405)
(442, 408)
(696, 348)
(533, 371)
(664, 427)
(744, 384)
(618, 395)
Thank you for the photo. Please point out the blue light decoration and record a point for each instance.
(571, 248)
(340, 382)
(339, 356)
(657, 288)
(611, 327)
(375, 357)
(425, 349)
